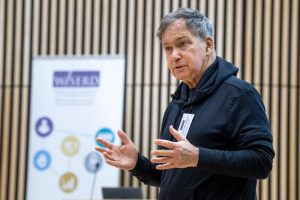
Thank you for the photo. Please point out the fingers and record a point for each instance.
(165, 143)
(124, 138)
(165, 166)
(110, 159)
(104, 142)
(103, 150)
(167, 156)
(113, 163)
(162, 153)
(175, 133)
(161, 160)
(108, 156)
(100, 149)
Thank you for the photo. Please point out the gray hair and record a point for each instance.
(196, 22)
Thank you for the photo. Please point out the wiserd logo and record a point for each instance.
(76, 79)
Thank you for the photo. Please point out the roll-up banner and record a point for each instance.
(73, 101)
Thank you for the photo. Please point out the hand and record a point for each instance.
(122, 157)
(180, 154)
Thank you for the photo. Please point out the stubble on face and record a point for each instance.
(184, 53)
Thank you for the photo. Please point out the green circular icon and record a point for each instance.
(70, 146)
(68, 182)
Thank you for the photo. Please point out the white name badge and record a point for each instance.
(185, 124)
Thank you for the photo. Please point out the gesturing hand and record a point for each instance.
(180, 154)
(122, 157)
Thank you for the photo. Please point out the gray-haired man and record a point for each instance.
(221, 142)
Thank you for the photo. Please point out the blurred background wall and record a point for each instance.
(261, 37)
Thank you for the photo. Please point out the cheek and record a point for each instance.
(169, 63)
(198, 60)
(169, 59)
(170, 68)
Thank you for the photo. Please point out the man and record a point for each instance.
(223, 143)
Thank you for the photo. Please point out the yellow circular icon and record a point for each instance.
(68, 182)
(70, 146)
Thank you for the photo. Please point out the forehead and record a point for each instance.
(175, 31)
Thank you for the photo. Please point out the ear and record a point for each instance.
(209, 45)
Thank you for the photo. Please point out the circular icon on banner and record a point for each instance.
(68, 182)
(93, 162)
(43, 126)
(70, 146)
(106, 134)
(42, 160)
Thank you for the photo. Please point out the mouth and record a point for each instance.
(179, 66)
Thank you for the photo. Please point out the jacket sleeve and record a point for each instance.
(146, 172)
(249, 128)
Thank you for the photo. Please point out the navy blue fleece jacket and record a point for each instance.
(232, 132)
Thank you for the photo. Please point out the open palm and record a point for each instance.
(120, 156)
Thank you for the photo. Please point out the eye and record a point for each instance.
(183, 45)
(168, 50)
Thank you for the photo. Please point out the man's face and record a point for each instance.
(185, 53)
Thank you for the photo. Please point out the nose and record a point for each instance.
(176, 54)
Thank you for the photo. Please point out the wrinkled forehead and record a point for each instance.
(176, 30)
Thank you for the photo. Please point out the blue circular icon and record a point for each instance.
(44, 126)
(42, 160)
(106, 134)
(93, 162)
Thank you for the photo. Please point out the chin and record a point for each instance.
(181, 77)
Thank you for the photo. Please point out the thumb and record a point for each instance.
(176, 134)
(124, 138)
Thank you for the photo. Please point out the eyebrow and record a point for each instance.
(178, 38)
(181, 37)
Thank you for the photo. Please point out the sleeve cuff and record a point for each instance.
(138, 165)
(206, 158)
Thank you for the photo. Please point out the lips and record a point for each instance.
(179, 66)
(179, 69)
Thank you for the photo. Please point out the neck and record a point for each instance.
(210, 59)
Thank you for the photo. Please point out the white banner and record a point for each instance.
(73, 101)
